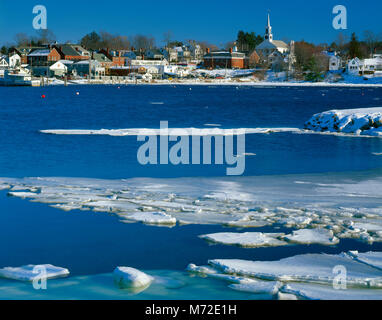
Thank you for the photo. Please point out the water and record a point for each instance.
(94, 243)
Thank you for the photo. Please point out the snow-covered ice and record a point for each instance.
(315, 268)
(373, 259)
(171, 131)
(152, 218)
(310, 236)
(347, 206)
(268, 287)
(327, 292)
(31, 272)
(129, 278)
(247, 239)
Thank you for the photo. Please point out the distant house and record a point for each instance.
(69, 52)
(253, 58)
(225, 59)
(354, 66)
(4, 62)
(103, 60)
(59, 68)
(14, 60)
(154, 54)
(335, 63)
(269, 45)
(43, 57)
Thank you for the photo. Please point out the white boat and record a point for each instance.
(20, 78)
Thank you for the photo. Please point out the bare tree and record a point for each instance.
(167, 36)
(371, 40)
(143, 42)
(22, 39)
(341, 41)
(45, 36)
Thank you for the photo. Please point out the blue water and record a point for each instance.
(26, 152)
(91, 243)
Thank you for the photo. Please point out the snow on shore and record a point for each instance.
(366, 121)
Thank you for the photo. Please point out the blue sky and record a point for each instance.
(216, 21)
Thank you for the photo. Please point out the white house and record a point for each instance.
(354, 66)
(269, 45)
(59, 68)
(335, 63)
(14, 60)
(4, 62)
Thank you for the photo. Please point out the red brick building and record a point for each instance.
(225, 59)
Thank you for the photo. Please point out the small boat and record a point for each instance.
(20, 78)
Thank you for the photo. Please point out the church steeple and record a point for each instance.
(268, 30)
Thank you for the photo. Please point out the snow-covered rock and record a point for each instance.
(130, 278)
(366, 121)
(310, 236)
(31, 272)
(247, 239)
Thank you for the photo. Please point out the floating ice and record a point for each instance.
(268, 287)
(129, 278)
(247, 239)
(373, 259)
(316, 268)
(327, 292)
(367, 121)
(346, 206)
(152, 218)
(172, 131)
(31, 272)
(310, 236)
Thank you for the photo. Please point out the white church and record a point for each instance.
(270, 46)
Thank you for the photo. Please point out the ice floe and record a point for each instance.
(326, 292)
(345, 206)
(268, 287)
(310, 236)
(367, 121)
(171, 131)
(31, 272)
(311, 268)
(247, 239)
(373, 259)
(130, 278)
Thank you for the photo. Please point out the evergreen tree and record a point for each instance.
(354, 47)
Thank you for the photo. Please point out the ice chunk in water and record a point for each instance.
(268, 287)
(247, 239)
(31, 272)
(152, 218)
(327, 292)
(130, 278)
(309, 236)
(306, 268)
(373, 259)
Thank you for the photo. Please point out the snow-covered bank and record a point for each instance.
(366, 121)
(31, 272)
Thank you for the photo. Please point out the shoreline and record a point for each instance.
(258, 84)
